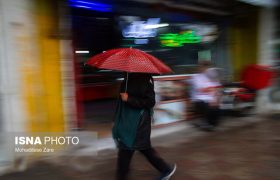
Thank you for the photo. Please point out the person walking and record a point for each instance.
(132, 127)
(205, 96)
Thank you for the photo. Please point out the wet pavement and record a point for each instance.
(247, 151)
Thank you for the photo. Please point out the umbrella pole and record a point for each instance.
(126, 82)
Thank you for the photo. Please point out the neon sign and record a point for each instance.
(178, 40)
(142, 29)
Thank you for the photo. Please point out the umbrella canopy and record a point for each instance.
(129, 60)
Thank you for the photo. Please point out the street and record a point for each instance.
(250, 151)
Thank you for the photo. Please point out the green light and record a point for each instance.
(178, 40)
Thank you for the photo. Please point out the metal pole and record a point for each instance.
(126, 82)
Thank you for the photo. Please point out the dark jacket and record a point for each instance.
(141, 95)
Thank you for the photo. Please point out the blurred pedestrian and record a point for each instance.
(205, 95)
(132, 128)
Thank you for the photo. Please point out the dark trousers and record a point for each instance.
(125, 156)
(209, 114)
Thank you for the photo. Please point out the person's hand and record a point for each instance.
(124, 96)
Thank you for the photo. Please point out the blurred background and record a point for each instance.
(45, 85)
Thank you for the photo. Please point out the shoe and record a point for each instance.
(168, 175)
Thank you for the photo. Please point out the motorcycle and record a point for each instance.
(240, 98)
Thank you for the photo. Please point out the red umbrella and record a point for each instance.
(129, 60)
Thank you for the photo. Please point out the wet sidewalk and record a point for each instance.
(243, 148)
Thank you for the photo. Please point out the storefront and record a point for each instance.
(180, 40)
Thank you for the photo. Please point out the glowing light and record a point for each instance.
(155, 26)
(91, 5)
(178, 40)
(137, 29)
(141, 41)
(81, 52)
